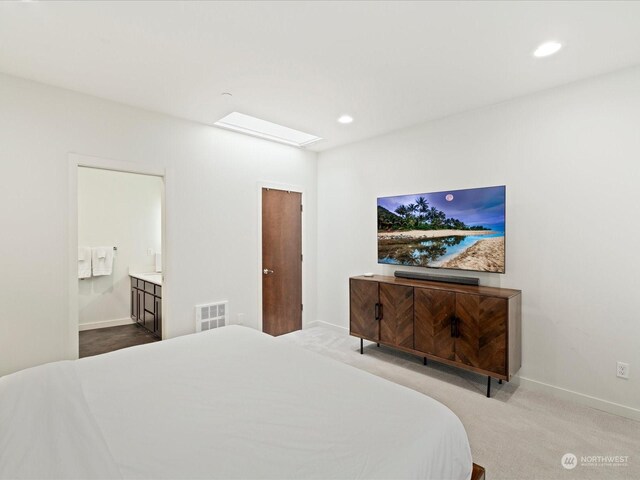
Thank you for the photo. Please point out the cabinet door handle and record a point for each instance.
(455, 326)
(377, 311)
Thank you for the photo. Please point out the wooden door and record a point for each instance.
(434, 312)
(363, 298)
(396, 315)
(281, 261)
(482, 330)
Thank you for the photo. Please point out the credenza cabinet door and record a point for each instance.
(363, 298)
(481, 332)
(434, 312)
(396, 315)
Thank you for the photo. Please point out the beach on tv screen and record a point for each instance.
(456, 229)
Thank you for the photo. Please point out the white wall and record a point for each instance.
(211, 211)
(124, 210)
(570, 158)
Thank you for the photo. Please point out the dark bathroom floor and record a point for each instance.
(103, 340)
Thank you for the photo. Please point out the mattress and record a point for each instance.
(226, 403)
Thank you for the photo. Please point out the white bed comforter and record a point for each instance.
(228, 403)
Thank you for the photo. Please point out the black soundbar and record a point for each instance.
(437, 278)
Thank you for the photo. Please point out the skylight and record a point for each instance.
(242, 123)
(547, 49)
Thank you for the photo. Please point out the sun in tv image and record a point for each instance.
(457, 229)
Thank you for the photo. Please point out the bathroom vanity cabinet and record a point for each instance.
(146, 302)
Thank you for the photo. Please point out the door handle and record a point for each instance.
(378, 311)
(454, 325)
(266, 271)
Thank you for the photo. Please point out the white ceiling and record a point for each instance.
(302, 64)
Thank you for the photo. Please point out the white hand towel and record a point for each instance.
(84, 262)
(102, 261)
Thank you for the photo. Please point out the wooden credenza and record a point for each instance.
(471, 327)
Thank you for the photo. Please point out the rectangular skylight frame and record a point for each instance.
(239, 122)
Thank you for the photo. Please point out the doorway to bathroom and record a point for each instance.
(120, 275)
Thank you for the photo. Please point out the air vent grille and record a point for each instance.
(211, 315)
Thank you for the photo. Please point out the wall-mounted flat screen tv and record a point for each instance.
(457, 229)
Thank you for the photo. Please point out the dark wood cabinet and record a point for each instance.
(146, 305)
(134, 303)
(395, 314)
(466, 328)
(394, 325)
(471, 327)
(364, 310)
(434, 310)
(481, 339)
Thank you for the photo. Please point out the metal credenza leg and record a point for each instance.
(361, 346)
(488, 387)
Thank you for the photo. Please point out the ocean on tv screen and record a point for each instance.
(456, 229)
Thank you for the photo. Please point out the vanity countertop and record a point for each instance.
(154, 277)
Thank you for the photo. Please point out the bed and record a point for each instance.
(227, 403)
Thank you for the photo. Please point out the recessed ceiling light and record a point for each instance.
(345, 119)
(239, 122)
(546, 49)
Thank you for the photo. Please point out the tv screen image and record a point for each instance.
(456, 229)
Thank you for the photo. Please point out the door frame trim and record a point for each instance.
(76, 160)
(278, 186)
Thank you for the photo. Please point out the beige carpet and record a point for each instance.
(516, 434)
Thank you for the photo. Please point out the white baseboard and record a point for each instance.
(320, 323)
(105, 324)
(581, 398)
